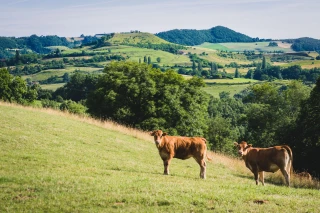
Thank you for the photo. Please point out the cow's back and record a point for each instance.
(267, 159)
(186, 147)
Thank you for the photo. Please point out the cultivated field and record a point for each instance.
(56, 162)
(249, 46)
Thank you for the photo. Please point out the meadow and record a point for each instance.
(134, 38)
(57, 162)
(248, 46)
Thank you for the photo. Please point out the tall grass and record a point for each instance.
(52, 161)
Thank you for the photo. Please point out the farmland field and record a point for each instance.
(250, 46)
(45, 74)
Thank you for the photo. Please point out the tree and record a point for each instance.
(213, 69)
(149, 60)
(139, 60)
(199, 66)
(66, 77)
(15, 89)
(306, 140)
(237, 73)
(140, 96)
(158, 59)
(73, 107)
(57, 52)
(145, 60)
(264, 63)
(220, 135)
(78, 87)
(193, 66)
(5, 81)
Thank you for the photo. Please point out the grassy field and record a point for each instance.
(305, 64)
(134, 38)
(212, 56)
(56, 162)
(52, 87)
(249, 46)
(215, 89)
(167, 59)
(45, 74)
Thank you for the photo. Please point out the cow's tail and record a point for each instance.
(205, 141)
(290, 155)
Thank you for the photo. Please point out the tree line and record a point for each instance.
(295, 72)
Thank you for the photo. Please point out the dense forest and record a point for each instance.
(217, 34)
(305, 44)
(137, 95)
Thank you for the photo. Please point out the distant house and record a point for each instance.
(182, 52)
(101, 35)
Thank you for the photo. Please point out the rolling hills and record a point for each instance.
(57, 162)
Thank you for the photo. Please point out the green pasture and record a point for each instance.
(45, 74)
(230, 81)
(134, 38)
(167, 58)
(55, 162)
(233, 89)
(249, 46)
(213, 46)
(305, 64)
(52, 87)
(212, 56)
(61, 48)
(232, 70)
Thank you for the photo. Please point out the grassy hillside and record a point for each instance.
(134, 38)
(55, 162)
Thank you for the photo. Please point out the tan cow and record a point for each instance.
(260, 160)
(182, 148)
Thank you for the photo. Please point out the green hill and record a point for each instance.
(218, 34)
(56, 162)
(135, 38)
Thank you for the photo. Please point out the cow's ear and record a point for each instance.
(249, 145)
(235, 143)
(164, 134)
(151, 133)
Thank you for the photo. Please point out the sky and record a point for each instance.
(275, 19)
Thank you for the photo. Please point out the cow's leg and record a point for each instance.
(286, 175)
(261, 177)
(166, 164)
(256, 177)
(203, 166)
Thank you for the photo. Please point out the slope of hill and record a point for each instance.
(217, 34)
(135, 38)
(55, 162)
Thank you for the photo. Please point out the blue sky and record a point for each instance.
(276, 19)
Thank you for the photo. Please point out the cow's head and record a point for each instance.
(157, 134)
(242, 147)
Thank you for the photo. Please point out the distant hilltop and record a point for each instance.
(218, 34)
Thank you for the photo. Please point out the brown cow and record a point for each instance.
(182, 148)
(260, 160)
